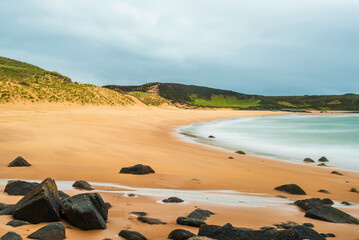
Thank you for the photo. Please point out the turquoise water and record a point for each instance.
(286, 137)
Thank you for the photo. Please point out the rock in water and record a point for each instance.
(41, 204)
(173, 200)
(19, 162)
(52, 231)
(17, 223)
(82, 185)
(308, 160)
(200, 214)
(131, 235)
(86, 211)
(19, 188)
(180, 234)
(138, 169)
(11, 236)
(323, 159)
(291, 188)
(240, 152)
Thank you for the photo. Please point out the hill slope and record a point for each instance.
(22, 82)
(211, 97)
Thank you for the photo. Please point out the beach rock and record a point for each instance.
(200, 214)
(354, 190)
(323, 159)
(19, 162)
(240, 152)
(315, 209)
(328, 235)
(63, 195)
(308, 160)
(297, 233)
(327, 201)
(86, 211)
(346, 203)
(52, 231)
(337, 173)
(311, 225)
(173, 200)
(140, 214)
(180, 234)
(138, 169)
(131, 235)
(190, 222)
(211, 136)
(41, 204)
(286, 225)
(230, 158)
(324, 191)
(200, 238)
(11, 236)
(281, 196)
(131, 195)
(81, 184)
(19, 188)
(152, 221)
(291, 188)
(108, 205)
(6, 209)
(322, 165)
(17, 223)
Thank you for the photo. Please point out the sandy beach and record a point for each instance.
(71, 142)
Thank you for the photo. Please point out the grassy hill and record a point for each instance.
(211, 97)
(23, 82)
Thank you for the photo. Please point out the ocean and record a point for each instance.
(290, 137)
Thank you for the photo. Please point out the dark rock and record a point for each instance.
(86, 211)
(131, 195)
(291, 188)
(297, 233)
(354, 190)
(286, 225)
(19, 162)
(52, 231)
(268, 228)
(308, 160)
(324, 191)
(17, 223)
(190, 222)
(63, 195)
(327, 201)
(328, 235)
(230, 158)
(41, 204)
(108, 205)
(200, 238)
(141, 214)
(19, 188)
(311, 225)
(11, 236)
(180, 234)
(172, 200)
(240, 152)
(200, 214)
(322, 165)
(131, 235)
(281, 196)
(346, 203)
(307, 204)
(138, 169)
(152, 221)
(7, 209)
(211, 136)
(337, 173)
(82, 185)
(323, 159)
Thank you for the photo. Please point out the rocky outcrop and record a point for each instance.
(81, 184)
(19, 162)
(131, 235)
(86, 211)
(173, 200)
(291, 188)
(138, 169)
(152, 221)
(180, 234)
(53, 231)
(315, 209)
(19, 188)
(11, 236)
(41, 204)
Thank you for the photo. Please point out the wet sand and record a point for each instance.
(93, 143)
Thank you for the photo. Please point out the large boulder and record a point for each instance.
(19, 188)
(131, 235)
(41, 204)
(291, 188)
(315, 208)
(82, 185)
(180, 234)
(200, 214)
(138, 169)
(19, 162)
(52, 231)
(86, 211)
(11, 236)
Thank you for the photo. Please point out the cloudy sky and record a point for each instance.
(276, 47)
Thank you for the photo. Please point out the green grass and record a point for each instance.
(150, 99)
(224, 101)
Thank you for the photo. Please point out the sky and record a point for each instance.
(277, 47)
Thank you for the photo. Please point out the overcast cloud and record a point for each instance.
(277, 47)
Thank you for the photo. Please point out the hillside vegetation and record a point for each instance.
(23, 82)
(211, 97)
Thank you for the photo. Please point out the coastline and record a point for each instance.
(136, 134)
